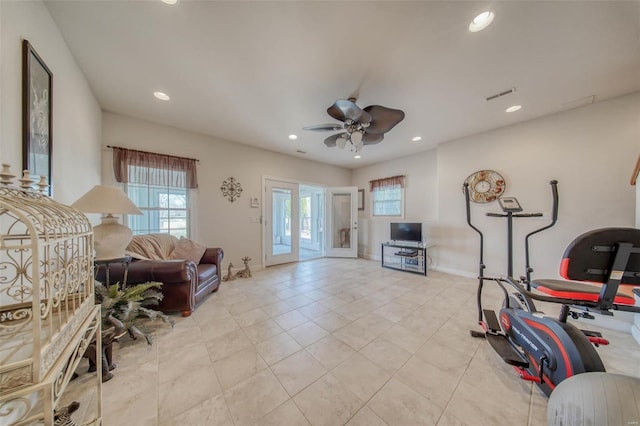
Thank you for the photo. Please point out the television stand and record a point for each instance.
(407, 257)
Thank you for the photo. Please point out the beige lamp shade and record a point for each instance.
(110, 237)
(106, 199)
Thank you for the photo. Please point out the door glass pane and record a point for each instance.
(281, 221)
(341, 220)
(311, 221)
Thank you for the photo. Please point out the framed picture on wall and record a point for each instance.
(360, 199)
(37, 113)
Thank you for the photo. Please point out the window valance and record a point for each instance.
(386, 183)
(149, 168)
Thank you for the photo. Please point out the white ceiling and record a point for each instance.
(255, 72)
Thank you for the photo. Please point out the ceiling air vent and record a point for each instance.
(501, 94)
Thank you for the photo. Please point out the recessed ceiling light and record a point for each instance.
(170, 1)
(481, 21)
(356, 156)
(513, 108)
(417, 138)
(293, 137)
(162, 96)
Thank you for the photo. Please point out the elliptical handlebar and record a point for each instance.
(554, 219)
(481, 266)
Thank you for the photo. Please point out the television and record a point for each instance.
(406, 232)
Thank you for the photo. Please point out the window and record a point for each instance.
(165, 210)
(159, 186)
(387, 196)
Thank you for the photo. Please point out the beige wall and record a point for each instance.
(421, 196)
(218, 222)
(588, 150)
(76, 113)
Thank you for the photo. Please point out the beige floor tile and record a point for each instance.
(404, 338)
(277, 308)
(255, 397)
(386, 354)
(220, 328)
(313, 310)
(374, 323)
(175, 398)
(212, 411)
(436, 331)
(143, 407)
(307, 333)
(327, 402)
(448, 419)
(178, 338)
(331, 321)
(277, 348)
(224, 346)
(290, 319)
(355, 335)
(262, 331)
(366, 417)
(330, 351)
(361, 376)
(397, 404)
(131, 378)
(434, 383)
(469, 405)
(238, 367)
(298, 371)
(299, 301)
(245, 306)
(444, 357)
(251, 317)
(396, 310)
(287, 414)
(175, 364)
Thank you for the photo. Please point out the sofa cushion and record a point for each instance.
(188, 250)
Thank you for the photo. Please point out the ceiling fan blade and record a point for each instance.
(372, 138)
(331, 140)
(383, 119)
(329, 127)
(343, 110)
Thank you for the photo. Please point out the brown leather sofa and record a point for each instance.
(184, 283)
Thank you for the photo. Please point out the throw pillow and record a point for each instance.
(188, 250)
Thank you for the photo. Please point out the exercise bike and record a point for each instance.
(600, 268)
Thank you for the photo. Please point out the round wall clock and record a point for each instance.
(485, 186)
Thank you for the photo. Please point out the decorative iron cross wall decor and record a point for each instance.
(231, 189)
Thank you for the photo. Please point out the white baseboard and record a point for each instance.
(452, 271)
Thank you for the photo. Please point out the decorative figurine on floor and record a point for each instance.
(229, 276)
(246, 272)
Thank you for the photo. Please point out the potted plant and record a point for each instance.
(130, 305)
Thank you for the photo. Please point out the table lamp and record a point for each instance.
(110, 237)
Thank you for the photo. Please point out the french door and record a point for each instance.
(342, 222)
(295, 227)
(281, 222)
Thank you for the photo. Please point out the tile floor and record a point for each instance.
(330, 342)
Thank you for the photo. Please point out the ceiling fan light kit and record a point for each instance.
(360, 126)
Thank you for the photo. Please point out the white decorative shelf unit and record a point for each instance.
(47, 312)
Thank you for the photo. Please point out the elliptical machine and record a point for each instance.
(603, 265)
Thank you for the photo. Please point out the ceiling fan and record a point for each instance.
(361, 126)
